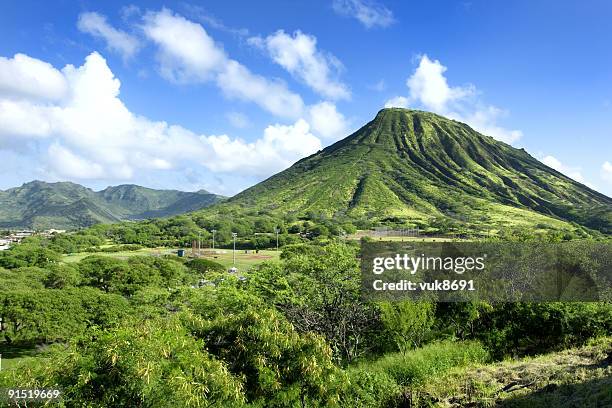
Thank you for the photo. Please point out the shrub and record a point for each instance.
(204, 266)
(431, 360)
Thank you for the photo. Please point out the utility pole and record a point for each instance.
(213, 231)
(277, 230)
(199, 243)
(234, 235)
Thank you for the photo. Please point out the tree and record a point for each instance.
(407, 322)
(322, 295)
(280, 366)
(61, 276)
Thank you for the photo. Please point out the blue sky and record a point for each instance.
(220, 95)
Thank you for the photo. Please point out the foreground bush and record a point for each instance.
(152, 364)
(431, 360)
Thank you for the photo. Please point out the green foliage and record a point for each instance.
(62, 276)
(434, 359)
(147, 364)
(530, 328)
(370, 389)
(318, 289)
(407, 323)
(22, 278)
(204, 266)
(48, 315)
(29, 253)
(140, 332)
(126, 277)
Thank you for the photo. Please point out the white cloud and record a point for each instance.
(278, 149)
(299, 55)
(369, 13)
(22, 76)
(606, 171)
(327, 121)
(484, 119)
(397, 102)
(116, 40)
(428, 88)
(236, 81)
(91, 134)
(238, 120)
(65, 163)
(188, 54)
(571, 172)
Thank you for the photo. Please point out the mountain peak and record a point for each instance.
(423, 168)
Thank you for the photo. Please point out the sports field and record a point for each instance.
(244, 259)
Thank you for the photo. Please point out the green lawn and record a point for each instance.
(11, 354)
(222, 256)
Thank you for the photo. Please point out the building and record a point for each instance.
(4, 244)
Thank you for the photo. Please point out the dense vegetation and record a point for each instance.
(41, 205)
(163, 331)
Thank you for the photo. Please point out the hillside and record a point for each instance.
(66, 205)
(423, 169)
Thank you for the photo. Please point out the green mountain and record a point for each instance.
(422, 169)
(68, 205)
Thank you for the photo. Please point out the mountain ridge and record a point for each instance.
(67, 205)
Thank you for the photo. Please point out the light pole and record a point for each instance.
(277, 230)
(213, 231)
(234, 235)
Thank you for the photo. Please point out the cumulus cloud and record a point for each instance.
(429, 86)
(327, 121)
(22, 76)
(429, 89)
(278, 148)
(369, 13)
(187, 54)
(299, 55)
(116, 40)
(89, 133)
(397, 102)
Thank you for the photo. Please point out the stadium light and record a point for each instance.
(234, 235)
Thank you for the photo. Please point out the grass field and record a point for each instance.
(11, 355)
(223, 256)
(579, 377)
(371, 234)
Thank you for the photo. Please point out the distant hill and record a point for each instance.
(66, 205)
(421, 168)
